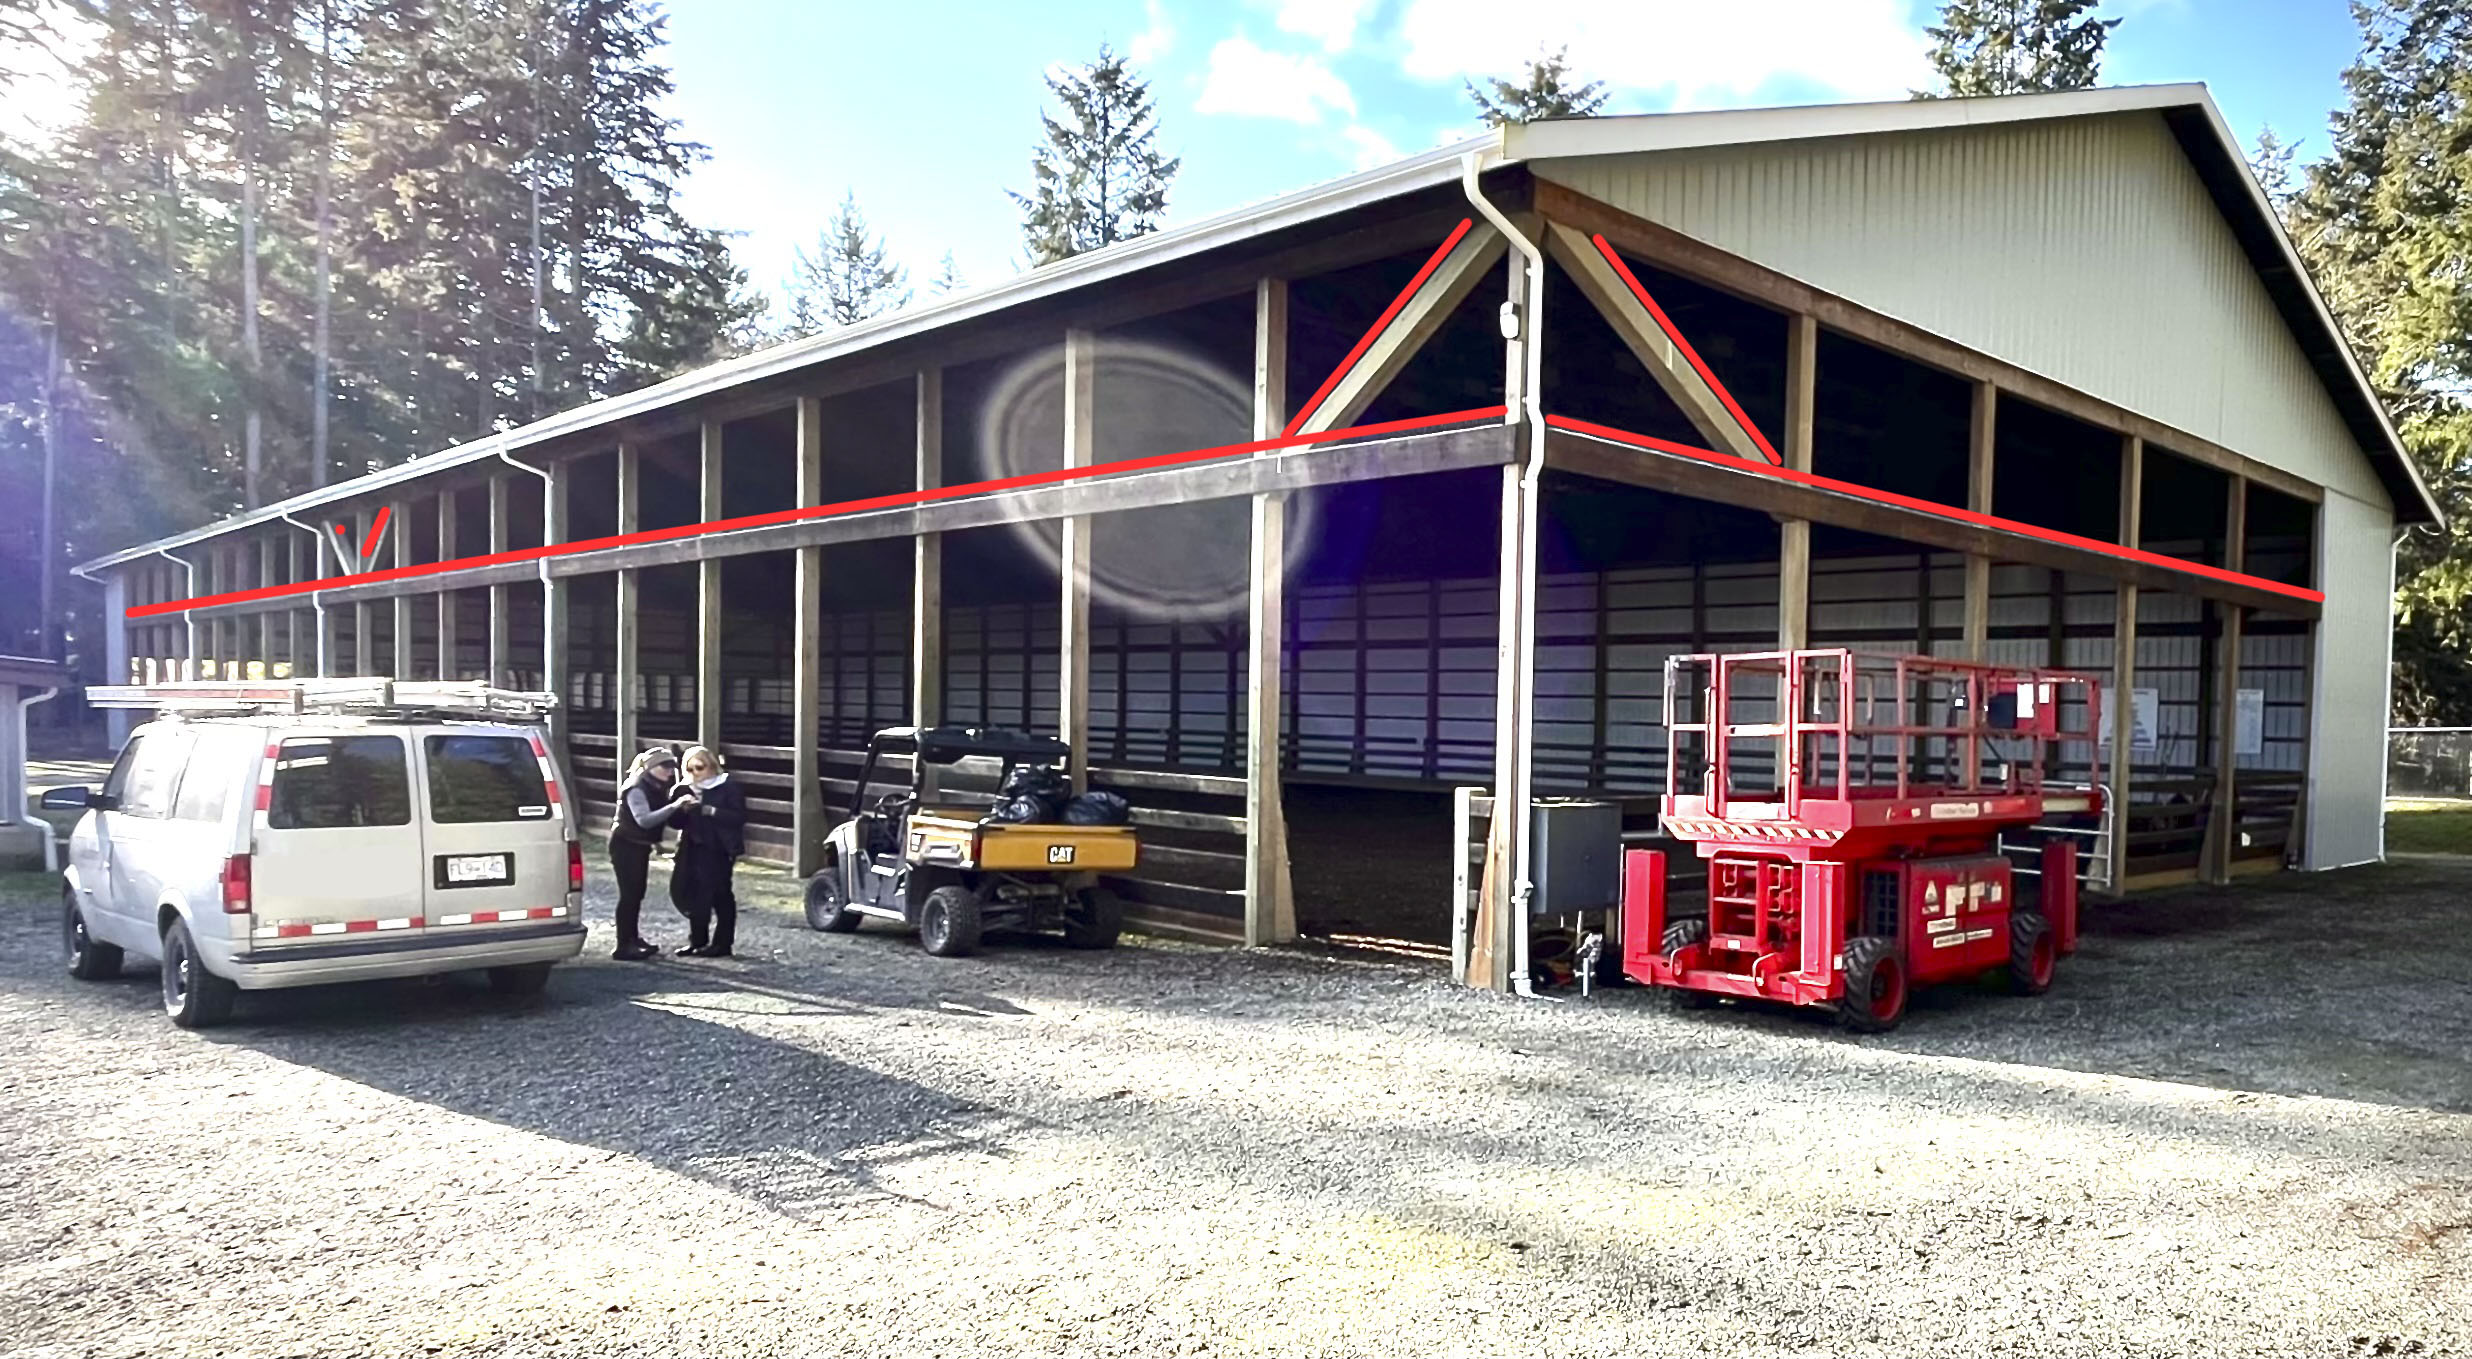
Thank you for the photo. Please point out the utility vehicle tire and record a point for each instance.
(519, 979)
(1680, 935)
(88, 959)
(2034, 952)
(1875, 985)
(827, 908)
(948, 922)
(194, 997)
(1094, 920)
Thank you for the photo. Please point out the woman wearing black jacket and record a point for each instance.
(711, 836)
(647, 801)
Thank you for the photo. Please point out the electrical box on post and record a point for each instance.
(1575, 856)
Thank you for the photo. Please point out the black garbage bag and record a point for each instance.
(1098, 809)
(1046, 787)
(1015, 811)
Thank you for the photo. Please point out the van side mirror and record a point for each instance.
(74, 798)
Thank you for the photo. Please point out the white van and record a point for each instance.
(257, 851)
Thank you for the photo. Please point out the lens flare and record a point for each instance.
(1187, 561)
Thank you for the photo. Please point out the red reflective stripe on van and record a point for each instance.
(299, 931)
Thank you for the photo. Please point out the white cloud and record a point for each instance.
(1368, 148)
(1696, 53)
(1153, 41)
(1253, 82)
(1332, 23)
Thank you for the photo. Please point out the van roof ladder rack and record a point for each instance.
(376, 696)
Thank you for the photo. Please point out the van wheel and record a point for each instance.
(1094, 920)
(828, 907)
(194, 997)
(948, 922)
(519, 979)
(88, 960)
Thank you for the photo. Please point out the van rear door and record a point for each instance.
(337, 850)
(497, 842)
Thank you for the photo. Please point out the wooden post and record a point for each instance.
(291, 616)
(501, 600)
(364, 656)
(557, 665)
(2223, 827)
(708, 600)
(1270, 907)
(218, 649)
(927, 571)
(448, 624)
(1073, 562)
(266, 620)
(626, 704)
(1495, 937)
(2124, 662)
(1802, 364)
(807, 823)
(1982, 430)
(401, 527)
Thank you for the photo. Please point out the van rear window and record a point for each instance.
(484, 778)
(329, 781)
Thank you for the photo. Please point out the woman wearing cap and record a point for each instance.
(647, 800)
(711, 836)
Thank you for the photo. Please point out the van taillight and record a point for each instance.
(575, 865)
(236, 885)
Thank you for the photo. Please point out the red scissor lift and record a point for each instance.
(1850, 808)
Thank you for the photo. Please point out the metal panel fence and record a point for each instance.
(2429, 762)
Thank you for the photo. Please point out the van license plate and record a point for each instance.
(476, 870)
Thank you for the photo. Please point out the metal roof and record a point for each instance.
(2200, 125)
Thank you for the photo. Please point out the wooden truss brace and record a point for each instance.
(1701, 401)
(1399, 339)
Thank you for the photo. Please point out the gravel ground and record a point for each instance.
(2241, 1124)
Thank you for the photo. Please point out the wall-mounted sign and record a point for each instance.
(2145, 709)
(2249, 722)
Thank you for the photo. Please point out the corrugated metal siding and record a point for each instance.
(2347, 740)
(2084, 249)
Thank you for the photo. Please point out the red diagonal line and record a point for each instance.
(1932, 507)
(1666, 324)
(845, 507)
(377, 530)
(1389, 314)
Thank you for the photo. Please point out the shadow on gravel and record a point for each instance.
(645, 1061)
(2345, 985)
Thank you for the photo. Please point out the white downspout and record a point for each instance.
(188, 620)
(1512, 800)
(17, 811)
(317, 598)
(549, 519)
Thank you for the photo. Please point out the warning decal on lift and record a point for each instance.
(1969, 937)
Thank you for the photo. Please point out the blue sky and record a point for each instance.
(928, 111)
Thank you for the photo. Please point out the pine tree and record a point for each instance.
(1099, 177)
(2382, 223)
(1545, 91)
(948, 278)
(847, 278)
(706, 315)
(1984, 47)
(2271, 161)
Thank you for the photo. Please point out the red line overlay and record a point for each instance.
(1698, 364)
(377, 532)
(1931, 507)
(1389, 314)
(845, 507)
